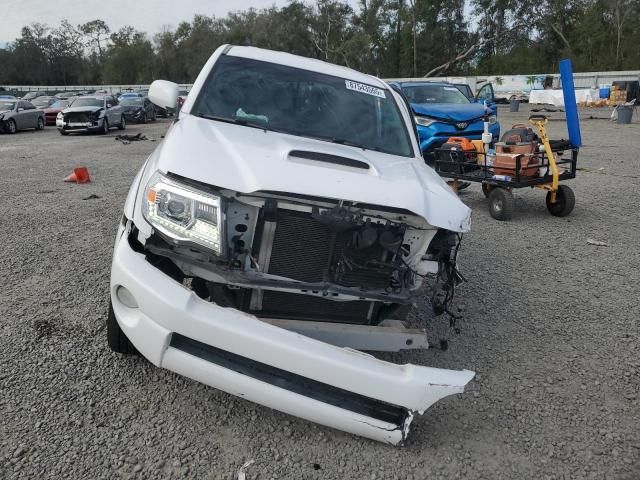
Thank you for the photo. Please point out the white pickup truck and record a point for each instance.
(285, 225)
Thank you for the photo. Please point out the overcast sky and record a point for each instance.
(146, 15)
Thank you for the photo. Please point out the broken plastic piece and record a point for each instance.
(241, 473)
(597, 243)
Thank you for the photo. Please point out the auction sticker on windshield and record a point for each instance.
(368, 89)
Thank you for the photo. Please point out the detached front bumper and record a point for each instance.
(244, 356)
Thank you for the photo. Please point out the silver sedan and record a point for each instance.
(20, 115)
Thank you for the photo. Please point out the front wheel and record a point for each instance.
(501, 204)
(11, 126)
(565, 201)
(40, 125)
(116, 339)
(105, 126)
(123, 123)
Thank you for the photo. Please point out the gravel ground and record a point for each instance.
(550, 326)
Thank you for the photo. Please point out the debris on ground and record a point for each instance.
(127, 139)
(93, 196)
(241, 473)
(597, 243)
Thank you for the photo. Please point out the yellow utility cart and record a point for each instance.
(552, 162)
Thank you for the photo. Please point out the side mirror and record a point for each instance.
(109, 105)
(164, 93)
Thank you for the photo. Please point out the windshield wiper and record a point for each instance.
(348, 143)
(235, 121)
(344, 141)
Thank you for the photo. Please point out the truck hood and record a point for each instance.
(248, 160)
(450, 111)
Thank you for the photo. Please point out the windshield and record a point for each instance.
(87, 102)
(304, 103)
(7, 105)
(131, 101)
(60, 104)
(38, 102)
(434, 94)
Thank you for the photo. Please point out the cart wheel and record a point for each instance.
(565, 201)
(501, 203)
(486, 189)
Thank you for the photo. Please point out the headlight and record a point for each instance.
(424, 121)
(59, 116)
(493, 119)
(183, 212)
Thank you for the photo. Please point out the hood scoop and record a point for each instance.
(329, 158)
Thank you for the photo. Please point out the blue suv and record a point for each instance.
(441, 111)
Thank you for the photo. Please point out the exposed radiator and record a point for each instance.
(306, 249)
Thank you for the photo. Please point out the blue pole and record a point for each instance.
(570, 105)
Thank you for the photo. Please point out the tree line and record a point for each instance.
(387, 38)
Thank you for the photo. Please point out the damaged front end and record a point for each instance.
(270, 295)
(284, 256)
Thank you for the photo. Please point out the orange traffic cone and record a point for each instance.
(79, 175)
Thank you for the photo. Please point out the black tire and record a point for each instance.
(501, 204)
(11, 126)
(63, 132)
(123, 123)
(40, 125)
(105, 126)
(486, 189)
(565, 201)
(117, 340)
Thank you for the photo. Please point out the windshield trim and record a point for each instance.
(195, 110)
(440, 85)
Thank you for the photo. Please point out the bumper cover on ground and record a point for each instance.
(237, 353)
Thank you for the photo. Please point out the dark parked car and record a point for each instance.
(19, 115)
(91, 114)
(138, 109)
(53, 110)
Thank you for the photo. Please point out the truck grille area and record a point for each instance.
(301, 247)
(307, 250)
(317, 248)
